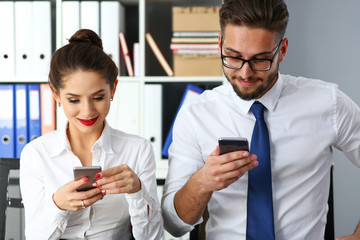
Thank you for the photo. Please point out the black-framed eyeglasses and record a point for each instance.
(255, 64)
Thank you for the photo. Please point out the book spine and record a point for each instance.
(158, 54)
(126, 55)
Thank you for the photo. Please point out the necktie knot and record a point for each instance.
(258, 110)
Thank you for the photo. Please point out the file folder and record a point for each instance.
(33, 113)
(7, 143)
(153, 117)
(89, 15)
(109, 23)
(70, 19)
(136, 59)
(23, 39)
(7, 46)
(41, 38)
(21, 129)
(47, 103)
(190, 93)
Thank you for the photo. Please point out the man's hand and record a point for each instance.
(349, 237)
(354, 236)
(220, 171)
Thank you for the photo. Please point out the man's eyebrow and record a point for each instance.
(257, 54)
(76, 95)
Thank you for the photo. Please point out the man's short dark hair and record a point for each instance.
(268, 14)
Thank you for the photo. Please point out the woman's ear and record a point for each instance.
(114, 89)
(55, 94)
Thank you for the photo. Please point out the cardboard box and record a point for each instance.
(197, 65)
(195, 19)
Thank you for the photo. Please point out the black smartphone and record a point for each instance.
(90, 172)
(231, 144)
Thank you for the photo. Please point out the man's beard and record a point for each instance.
(259, 91)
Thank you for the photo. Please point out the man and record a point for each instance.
(305, 118)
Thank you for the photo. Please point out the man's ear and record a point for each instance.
(283, 49)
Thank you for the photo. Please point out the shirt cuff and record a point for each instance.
(57, 216)
(138, 199)
(173, 223)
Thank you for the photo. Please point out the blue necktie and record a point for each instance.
(260, 219)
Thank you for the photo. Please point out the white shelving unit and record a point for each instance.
(127, 112)
(137, 84)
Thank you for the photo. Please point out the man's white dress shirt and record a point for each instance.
(47, 164)
(305, 118)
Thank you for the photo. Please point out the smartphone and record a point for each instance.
(90, 172)
(231, 144)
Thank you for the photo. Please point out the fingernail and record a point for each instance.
(86, 179)
(94, 184)
(103, 192)
(97, 175)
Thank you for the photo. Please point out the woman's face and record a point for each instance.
(85, 98)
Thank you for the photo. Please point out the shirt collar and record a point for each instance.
(64, 145)
(269, 100)
(105, 139)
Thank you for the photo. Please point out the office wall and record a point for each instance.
(324, 38)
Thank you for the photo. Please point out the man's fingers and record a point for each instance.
(216, 152)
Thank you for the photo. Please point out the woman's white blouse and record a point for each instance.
(47, 163)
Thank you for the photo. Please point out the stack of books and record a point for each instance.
(194, 43)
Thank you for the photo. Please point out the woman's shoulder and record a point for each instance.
(120, 135)
(47, 142)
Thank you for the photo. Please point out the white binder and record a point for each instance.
(89, 15)
(136, 59)
(109, 23)
(70, 19)
(7, 46)
(123, 114)
(23, 39)
(153, 117)
(41, 38)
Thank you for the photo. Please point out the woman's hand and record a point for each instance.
(119, 179)
(68, 198)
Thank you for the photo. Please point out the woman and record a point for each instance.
(83, 80)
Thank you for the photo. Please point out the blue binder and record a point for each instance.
(7, 141)
(21, 129)
(186, 97)
(33, 111)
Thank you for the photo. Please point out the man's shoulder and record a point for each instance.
(211, 95)
(307, 84)
(304, 82)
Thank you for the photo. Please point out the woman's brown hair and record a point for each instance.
(84, 52)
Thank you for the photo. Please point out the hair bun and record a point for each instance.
(86, 35)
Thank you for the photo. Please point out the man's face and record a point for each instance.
(250, 44)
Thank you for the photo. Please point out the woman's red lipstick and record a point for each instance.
(88, 122)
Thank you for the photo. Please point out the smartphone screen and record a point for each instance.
(90, 172)
(231, 144)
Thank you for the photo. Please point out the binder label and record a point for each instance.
(34, 99)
